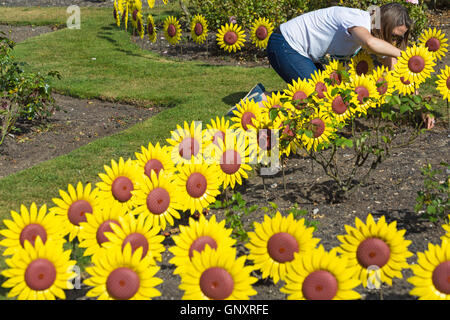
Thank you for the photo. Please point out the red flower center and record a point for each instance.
(188, 147)
(405, 82)
(153, 165)
(196, 185)
(77, 211)
(362, 67)
(40, 274)
(230, 162)
(171, 30)
(198, 29)
(200, 243)
(265, 139)
(122, 283)
(216, 283)
(261, 32)
(336, 78)
(281, 247)
(299, 95)
(246, 120)
(31, 232)
(320, 89)
(318, 127)
(320, 285)
(383, 87)
(230, 38)
(373, 252)
(218, 135)
(416, 64)
(150, 28)
(104, 227)
(136, 241)
(441, 277)
(338, 105)
(362, 93)
(121, 189)
(433, 44)
(158, 200)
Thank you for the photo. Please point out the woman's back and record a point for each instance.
(317, 33)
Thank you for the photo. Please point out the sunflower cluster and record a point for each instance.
(230, 37)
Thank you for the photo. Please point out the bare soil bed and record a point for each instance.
(391, 191)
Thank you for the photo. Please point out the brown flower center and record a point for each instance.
(158, 200)
(200, 243)
(230, 162)
(441, 277)
(77, 212)
(362, 67)
(416, 64)
(433, 44)
(230, 38)
(153, 165)
(122, 283)
(40, 274)
(282, 246)
(338, 105)
(196, 185)
(261, 32)
(246, 120)
(136, 240)
(121, 189)
(188, 147)
(216, 283)
(320, 285)
(373, 252)
(104, 227)
(31, 232)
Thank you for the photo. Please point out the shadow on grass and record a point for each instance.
(233, 98)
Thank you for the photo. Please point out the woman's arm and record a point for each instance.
(371, 43)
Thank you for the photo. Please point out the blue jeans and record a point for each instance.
(287, 62)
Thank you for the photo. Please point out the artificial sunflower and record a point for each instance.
(196, 237)
(230, 37)
(319, 275)
(119, 274)
(216, 131)
(136, 12)
(116, 13)
(125, 16)
(402, 85)
(260, 32)
(233, 158)
(298, 92)
(319, 84)
(74, 205)
(333, 71)
(361, 64)
(246, 113)
(151, 3)
(375, 245)
(39, 272)
(320, 123)
(172, 30)
(443, 83)
(264, 140)
(384, 82)
(154, 158)
(92, 232)
(334, 103)
(199, 28)
(198, 185)
(140, 26)
(432, 273)
(28, 226)
(435, 41)
(118, 182)
(415, 64)
(151, 28)
(365, 93)
(187, 143)
(217, 275)
(273, 243)
(158, 199)
(140, 233)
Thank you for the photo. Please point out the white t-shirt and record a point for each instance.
(324, 31)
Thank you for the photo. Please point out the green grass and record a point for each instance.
(122, 71)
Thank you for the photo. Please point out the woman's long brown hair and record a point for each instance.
(393, 15)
